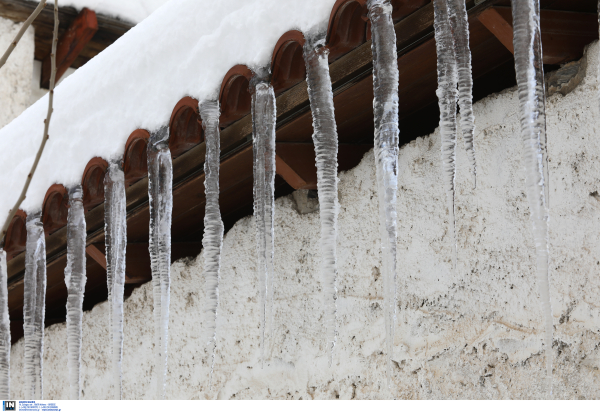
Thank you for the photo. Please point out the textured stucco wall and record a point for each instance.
(470, 333)
(16, 75)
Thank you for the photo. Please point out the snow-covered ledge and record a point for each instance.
(475, 333)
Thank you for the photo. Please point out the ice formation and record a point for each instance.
(263, 136)
(447, 97)
(532, 105)
(212, 241)
(385, 109)
(325, 139)
(75, 280)
(460, 30)
(34, 307)
(160, 194)
(115, 234)
(4, 330)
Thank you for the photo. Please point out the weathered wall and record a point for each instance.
(16, 75)
(470, 333)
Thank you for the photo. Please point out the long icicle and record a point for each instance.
(75, 279)
(115, 230)
(385, 109)
(325, 139)
(460, 25)
(160, 194)
(532, 104)
(34, 307)
(4, 330)
(263, 128)
(212, 241)
(447, 98)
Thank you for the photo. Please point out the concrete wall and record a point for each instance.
(16, 75)
(470, 333)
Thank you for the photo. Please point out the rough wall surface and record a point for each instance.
(16, 75)
(471, 333)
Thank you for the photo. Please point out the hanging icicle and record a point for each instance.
(115, 230)
(460, 30)
(34, 307)
(4, 330)
(212, 241)
(532, 104)
(160, 194)
(385, 108)
(325, 139)
(447, 98)
(75, 280)
(263, 136)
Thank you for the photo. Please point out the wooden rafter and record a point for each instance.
(97, 255)
(563, 33)
(70, 44)
(288, 174)
(109, 28)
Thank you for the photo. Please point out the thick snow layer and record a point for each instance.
(183, 49)
(131, 10)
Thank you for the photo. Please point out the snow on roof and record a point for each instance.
(131, 10)
(183, 49)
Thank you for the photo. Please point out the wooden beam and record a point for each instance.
(109, 28)
(499, 27)
(97, 255)
(70, 44)
(564, 33)
(289, 175)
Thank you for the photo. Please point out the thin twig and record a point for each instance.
(45, 137)
(22, 31)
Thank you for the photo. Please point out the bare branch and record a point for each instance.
(24, 28)
(45, 137)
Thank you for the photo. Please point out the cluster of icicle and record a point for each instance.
(212, 241)
(115, 235)
(454, 88)
(455, 85)
(160, 195)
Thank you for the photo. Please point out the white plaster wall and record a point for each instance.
(470, 333)
(16, 75)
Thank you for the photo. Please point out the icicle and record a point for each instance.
(115, 230)
(263, 125)
(75, 280)
(212, 242)
(460, 26)
(325, 139)
(447, 97)
(385, 108)
(4, 330)
(160, 194)
(532, 104)
(34, 307)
